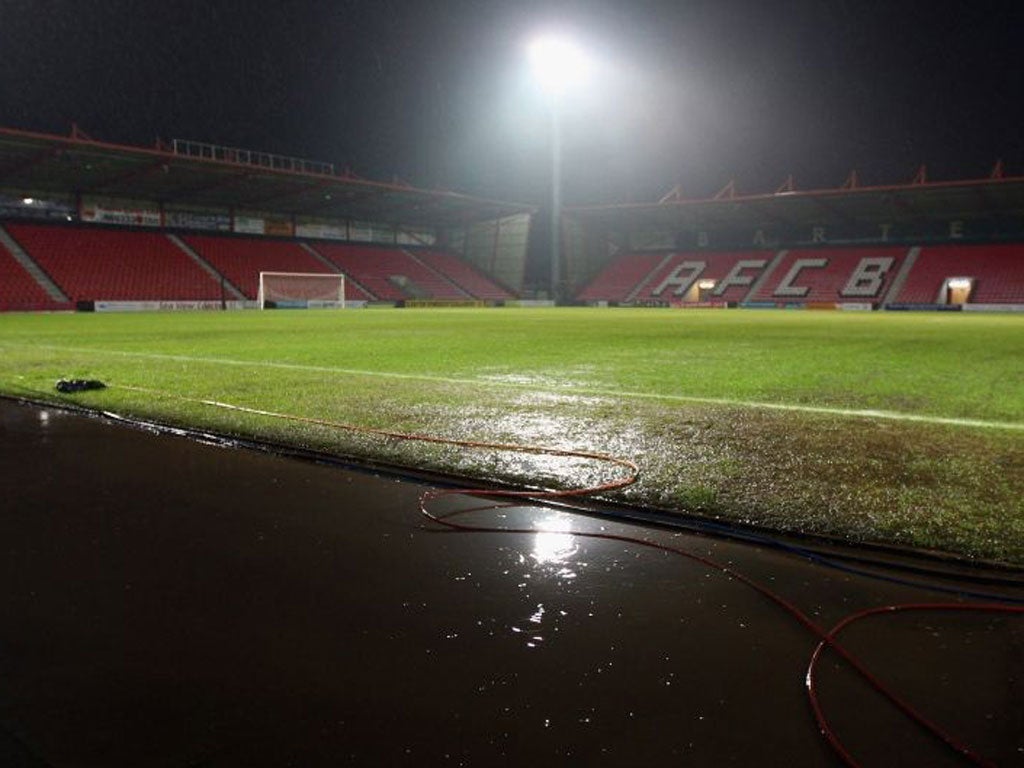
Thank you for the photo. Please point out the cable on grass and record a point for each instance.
(827, 639)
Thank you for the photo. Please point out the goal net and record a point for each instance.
(297, 289)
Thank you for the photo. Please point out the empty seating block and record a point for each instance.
(241, 259)
(115, 265)
(464, 275)
(620, 277)
(997, 272)
(18, 290)
(832, 275)
(705, 276)
(391, 274)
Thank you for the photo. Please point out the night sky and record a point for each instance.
(437, 92)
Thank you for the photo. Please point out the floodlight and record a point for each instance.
(959, 283)
(558, 64)
(28, 200)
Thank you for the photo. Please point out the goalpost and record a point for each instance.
(302, 290)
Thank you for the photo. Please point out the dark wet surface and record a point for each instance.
(168, 603)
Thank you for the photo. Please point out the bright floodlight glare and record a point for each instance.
(558, 64)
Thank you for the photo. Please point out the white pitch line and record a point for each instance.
(595, 391)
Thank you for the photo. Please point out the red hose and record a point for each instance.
(830, 641)
(827, 638)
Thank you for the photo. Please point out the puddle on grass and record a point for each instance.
(172, 603)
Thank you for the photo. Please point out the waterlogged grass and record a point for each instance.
(682, 393)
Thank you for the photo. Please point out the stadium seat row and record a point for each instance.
(98, 264)
(878, 275)
(95, 263)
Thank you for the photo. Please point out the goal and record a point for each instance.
(299, 289)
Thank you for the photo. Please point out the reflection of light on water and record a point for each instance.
(553, 554)
(532, 631)
(550, 547)
(552, 544)
(537, 618)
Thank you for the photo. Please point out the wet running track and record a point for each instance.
(170, 603)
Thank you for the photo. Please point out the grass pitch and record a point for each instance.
(880, 427)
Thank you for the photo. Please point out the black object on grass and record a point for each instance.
(79, 385)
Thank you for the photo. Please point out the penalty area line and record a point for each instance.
(530, 387)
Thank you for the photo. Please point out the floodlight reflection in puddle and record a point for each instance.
(553, 544)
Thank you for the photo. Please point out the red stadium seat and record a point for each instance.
(675, 277)
(391, 274)
(464, 275)
(621, 277)
(732, 272)
(92, 263)
(241, 259)
(997, 272)
(19, 291)
(832, 275)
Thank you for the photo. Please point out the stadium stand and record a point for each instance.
(464, 275)
(114, 264)
(996, 270)
(90, 263)
(19, 291)
(678, 278)
(241, 259)
(391, 274)
(831, 275)
(621, 277)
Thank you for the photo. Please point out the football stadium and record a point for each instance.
(662, 381)
(307, 468)
(886, 409)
